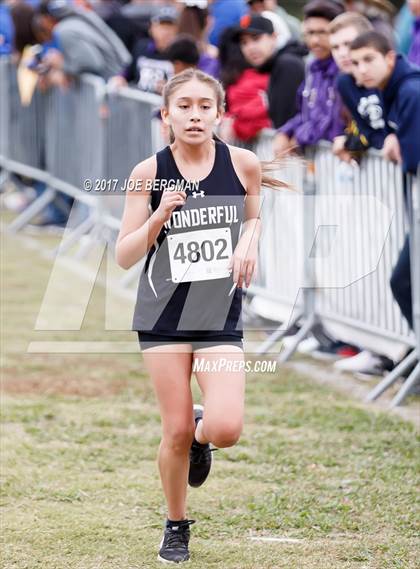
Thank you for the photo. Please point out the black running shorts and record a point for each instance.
(197, 342)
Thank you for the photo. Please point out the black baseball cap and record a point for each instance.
(255, 25)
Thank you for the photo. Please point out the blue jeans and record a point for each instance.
(58, 210)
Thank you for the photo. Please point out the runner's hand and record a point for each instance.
(244, 259)
(170, 200)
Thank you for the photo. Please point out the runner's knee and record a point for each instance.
(225, 434)
(178, 437)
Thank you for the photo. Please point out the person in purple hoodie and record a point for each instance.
(414, 53)
(319, 115)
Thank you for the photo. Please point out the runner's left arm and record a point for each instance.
(244, 257)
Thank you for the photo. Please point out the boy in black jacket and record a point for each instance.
(379, 67)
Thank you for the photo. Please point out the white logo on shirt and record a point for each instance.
(370, 107)
(153, 73)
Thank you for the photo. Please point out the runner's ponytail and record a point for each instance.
(266, 167)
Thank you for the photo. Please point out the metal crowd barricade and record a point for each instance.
(22, 139)
(75, 142)
(75, 135)
(367, 304)
(411, 363)
(281, 247)
(130, 138)
(27, 127)
(364, 308)
(132, 135)
(57, 140)
(4, 115)
(22, 131)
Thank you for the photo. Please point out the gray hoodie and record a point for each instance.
(89, 45)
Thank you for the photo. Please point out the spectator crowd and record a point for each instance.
(348, 73)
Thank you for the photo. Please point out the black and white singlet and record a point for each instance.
(185, 289)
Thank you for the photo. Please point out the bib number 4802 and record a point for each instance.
(193, 251)
(200, 255)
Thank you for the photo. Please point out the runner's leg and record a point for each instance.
(223, 396)
(170, 370)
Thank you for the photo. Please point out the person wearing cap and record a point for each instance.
(259, 8)
(259, 45)
(150, 68)
(281, 19)
(319, 115)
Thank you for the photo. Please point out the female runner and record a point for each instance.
(194, 211)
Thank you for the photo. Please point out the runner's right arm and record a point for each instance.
(139, 231)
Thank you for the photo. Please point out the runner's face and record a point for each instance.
(340, 48)
(371, 67)
(192, 112)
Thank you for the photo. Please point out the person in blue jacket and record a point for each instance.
(225, 14)
(6, 29)
(366, 123)
(378, 66)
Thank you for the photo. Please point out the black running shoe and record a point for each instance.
(174, 545)
(200, 456)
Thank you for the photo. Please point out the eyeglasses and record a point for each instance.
(313, 33)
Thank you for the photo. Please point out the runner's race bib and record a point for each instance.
(200, 255)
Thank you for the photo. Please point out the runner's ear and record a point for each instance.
(165, 116)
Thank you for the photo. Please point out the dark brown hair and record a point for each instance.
(22, 17)
(375, 40)
(327, 9)
(192, 21)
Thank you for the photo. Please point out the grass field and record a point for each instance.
(80, 490)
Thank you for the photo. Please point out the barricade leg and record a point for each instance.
(32, 210)
(303, 332)
(99, 233)
(392, 377)
(410, 382)
(76, 233)
(4, 178)
(277, 335)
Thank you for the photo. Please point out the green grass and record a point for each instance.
(79, 479)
